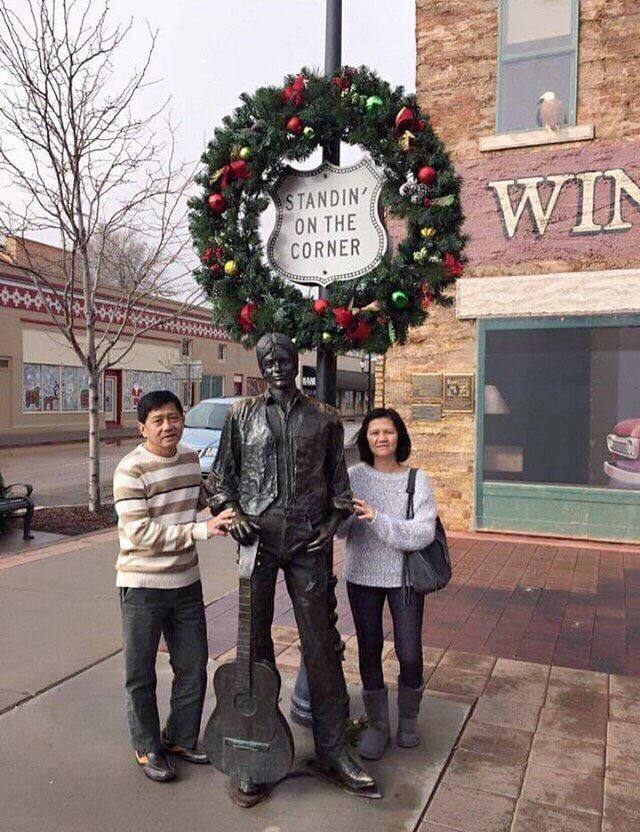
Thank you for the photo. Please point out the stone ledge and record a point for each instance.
(532, 138)
(616, 291)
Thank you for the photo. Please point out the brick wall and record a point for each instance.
(457, 48)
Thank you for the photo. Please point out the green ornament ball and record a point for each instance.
(309, 132)
(245, 153)
(373, 102)
(327, 337)
(400, 299)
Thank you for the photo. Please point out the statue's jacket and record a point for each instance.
(245, 468)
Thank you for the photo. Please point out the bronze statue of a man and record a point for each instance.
(281, 467)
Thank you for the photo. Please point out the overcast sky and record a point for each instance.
(210, 51)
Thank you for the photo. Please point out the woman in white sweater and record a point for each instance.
(377, 536)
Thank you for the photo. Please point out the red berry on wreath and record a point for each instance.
(217, 203)
(247, 315)
(321, 306)
(421, 125)
(426, 175)
(427, 202)
(344, 317)
(294, 93)
(207, 255)
(295, 125)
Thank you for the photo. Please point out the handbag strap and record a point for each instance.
(411, 488)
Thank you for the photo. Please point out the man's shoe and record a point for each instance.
(195, 755)
(342, 769)
(156, 766)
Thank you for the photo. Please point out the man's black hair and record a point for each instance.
(156, 399)
(404, 441)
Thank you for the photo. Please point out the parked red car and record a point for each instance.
(624, 450)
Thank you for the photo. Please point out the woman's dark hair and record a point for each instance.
(156, 399)
(404, 442)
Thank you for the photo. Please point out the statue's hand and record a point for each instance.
(243, 530)
(324, 534)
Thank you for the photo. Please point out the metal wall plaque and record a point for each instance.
(328, 226)
(459, 392)
(426, 412)
(427, 386)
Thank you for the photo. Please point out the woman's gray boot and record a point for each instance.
(376, 735)
(409, 700)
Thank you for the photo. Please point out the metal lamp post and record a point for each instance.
(326, 372)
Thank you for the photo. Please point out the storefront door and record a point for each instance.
(112, 398)
(559, 426)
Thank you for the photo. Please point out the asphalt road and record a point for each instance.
(60, 473)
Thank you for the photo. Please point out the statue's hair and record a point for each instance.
(269, 341)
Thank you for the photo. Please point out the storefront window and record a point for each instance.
(138, 382)
(211, 387)
(32, 387)
(562, 406)
(51, 388)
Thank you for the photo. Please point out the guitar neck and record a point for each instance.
(243, 652)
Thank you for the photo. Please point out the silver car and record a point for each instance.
(203, 426)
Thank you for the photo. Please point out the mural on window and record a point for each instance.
(32, 387)
(139, 382)
(51, 388)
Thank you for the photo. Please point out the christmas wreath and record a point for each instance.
(276, 126)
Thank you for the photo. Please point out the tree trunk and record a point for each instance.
(94, 441)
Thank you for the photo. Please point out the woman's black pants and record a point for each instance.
(367, 603)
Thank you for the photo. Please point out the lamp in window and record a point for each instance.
(494, 403)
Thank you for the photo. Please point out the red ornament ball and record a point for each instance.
(344, 317)
(217, 203)
(426, 175)
(295, 125)
(321, 307)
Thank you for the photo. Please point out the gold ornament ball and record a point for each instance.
(309, 132)
(327, 337)
(427, 232)
(245, 153)
(231, 268)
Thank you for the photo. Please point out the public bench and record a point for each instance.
(12, 502)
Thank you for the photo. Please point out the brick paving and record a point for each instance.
(542, 640)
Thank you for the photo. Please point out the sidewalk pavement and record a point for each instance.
(511, 745)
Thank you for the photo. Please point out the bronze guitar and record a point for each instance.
(247, 737)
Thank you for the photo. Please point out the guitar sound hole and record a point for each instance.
(245, 704)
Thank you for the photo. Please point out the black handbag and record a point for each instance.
(429, 569)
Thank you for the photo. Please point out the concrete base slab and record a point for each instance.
(67, 765)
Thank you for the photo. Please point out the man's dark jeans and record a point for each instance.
(178, 615)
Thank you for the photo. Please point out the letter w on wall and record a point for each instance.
(529, 198)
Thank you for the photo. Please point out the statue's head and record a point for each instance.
(278, 360)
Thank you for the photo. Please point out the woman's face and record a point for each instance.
(382, 437)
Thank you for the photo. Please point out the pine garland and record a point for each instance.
(244, 160)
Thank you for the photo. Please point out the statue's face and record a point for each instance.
(279, 368)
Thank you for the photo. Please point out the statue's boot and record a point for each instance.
(246, 793)
(342, 769)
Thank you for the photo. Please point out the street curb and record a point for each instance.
(73, 544)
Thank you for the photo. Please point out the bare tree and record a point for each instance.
(78, 164)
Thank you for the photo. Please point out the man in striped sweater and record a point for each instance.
(157, 491)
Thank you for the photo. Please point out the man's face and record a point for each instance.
(163, 427)
(279, 368)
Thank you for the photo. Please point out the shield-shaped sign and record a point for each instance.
(328, 225)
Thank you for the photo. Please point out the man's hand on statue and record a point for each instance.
(363, 510)
(218, 526)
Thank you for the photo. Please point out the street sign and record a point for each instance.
(187, 371)
(328, 225)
